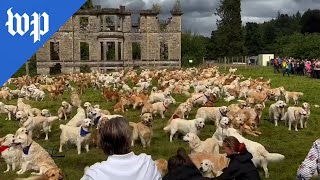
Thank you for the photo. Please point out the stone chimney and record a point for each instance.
(122, 8)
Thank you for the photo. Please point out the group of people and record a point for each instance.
(296, 66)
(123, 164)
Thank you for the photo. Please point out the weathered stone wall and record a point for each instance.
(153, 45)
(129, 38)
(43, 70)
(127, 50)
(174, 25)
(43, 53)
(174, 45)
(65, 45)
(143, 23)
(153, 25)
(67, 26)
(127, 24)
(70, 35)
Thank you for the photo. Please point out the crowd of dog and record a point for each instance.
(19, 150)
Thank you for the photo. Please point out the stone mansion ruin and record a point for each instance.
(105, 38)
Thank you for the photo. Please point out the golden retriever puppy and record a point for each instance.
(162, 166)
(208, 170)
(210, 145)
(143, 130)
(292, 95)
(34, 156)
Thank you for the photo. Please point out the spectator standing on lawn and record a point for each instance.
(290, 66)
(280, 63)
(285, 67)
(308, 68)
(276, 65)
(317, 69)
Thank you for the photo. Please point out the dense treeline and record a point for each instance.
(296, 35)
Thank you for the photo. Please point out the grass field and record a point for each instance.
(294, 145)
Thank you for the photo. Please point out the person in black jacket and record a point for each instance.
(240, 165)
(180, 167)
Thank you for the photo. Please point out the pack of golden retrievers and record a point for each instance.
(152, 94)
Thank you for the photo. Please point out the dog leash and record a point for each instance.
(53, 151)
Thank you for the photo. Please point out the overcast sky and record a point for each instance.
(199, 14)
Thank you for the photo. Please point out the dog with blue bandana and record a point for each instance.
(76, 135)
(34, 157)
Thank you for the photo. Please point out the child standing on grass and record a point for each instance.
(285, 67)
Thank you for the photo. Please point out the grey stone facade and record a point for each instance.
(109, 35)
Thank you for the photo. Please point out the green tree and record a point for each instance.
(156, 7)
(32, 68)
(310, 21)
(210, 47)
(87, 5)
(229, 38)
(253, 39)
(300, 45)
(193, 47)
(177, 7)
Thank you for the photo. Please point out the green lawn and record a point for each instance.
(294, 145)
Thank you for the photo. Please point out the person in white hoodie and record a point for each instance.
(122, 163)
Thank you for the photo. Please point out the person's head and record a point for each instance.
(180, 159)
(115, 136)
(233, 146)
